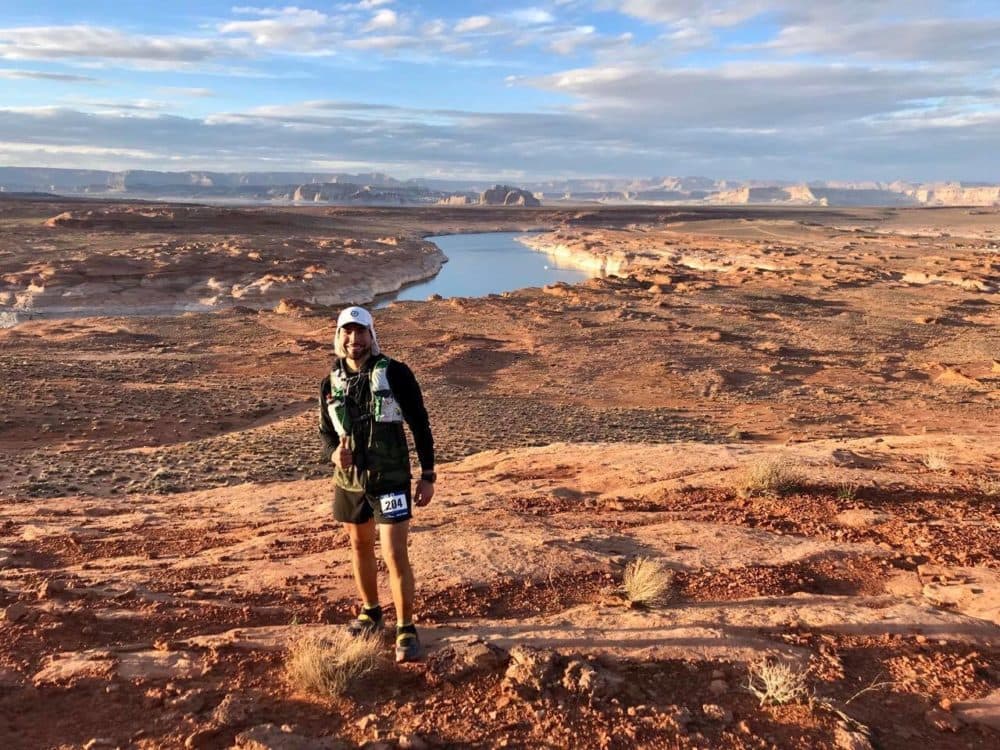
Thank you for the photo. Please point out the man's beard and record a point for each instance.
(358, 352)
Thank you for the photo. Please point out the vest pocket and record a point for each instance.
(388, 458)
(387, 408)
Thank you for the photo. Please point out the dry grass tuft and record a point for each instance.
(325, 665)
(647, 581)
(935, 460)
(775, 683)
(768, 475)
(847, 491)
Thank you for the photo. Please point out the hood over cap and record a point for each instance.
(360, 316)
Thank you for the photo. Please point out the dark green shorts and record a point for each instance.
(361, 507)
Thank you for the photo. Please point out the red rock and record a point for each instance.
(201, 738)
(50, 588)
(15, 612)
(942, 720)
(233, 711)
(845, 739)
(412, 742)
(984, 711)
(715, 712)
(718, 687)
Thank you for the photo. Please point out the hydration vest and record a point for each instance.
(387, 468)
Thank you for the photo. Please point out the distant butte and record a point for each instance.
(378, 189)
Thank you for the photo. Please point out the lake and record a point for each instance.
(486, 263)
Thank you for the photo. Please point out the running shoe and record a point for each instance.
(408, 647)
(364, 626)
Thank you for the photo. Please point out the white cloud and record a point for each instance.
(728, 13)
(473, 23)
(136, 106)
(285, 27)
(566, 42)
(717, 13)
(45, 76)
(42, 150)
(434, 28)
(385, 43)
(784, 95)
(944, 117)
(59, 42)
(254, 32)
(194, 92)
(685, 35)
(382, 20)
(369, 4)
(941, 40)
(531, 16)
(251, 10)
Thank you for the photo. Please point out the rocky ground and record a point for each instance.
(165, 519)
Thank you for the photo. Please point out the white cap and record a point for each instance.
(357, 315)
(360, 316)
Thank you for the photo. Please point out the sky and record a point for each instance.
(848, 90)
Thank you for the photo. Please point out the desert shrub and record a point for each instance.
(768, 475)
(647, 581)
(935, 460)
(776, 682)
(325, 665)
(847, 491)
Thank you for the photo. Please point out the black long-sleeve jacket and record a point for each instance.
(411, 401)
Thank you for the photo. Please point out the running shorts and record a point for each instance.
(360, 507)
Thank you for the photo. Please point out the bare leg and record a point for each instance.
(396, 556)
(363, 558)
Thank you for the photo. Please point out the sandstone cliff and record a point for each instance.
(801, 194)
(956, 194)
(505, 195)
(789, 195)
(458, 200)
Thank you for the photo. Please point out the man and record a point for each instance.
(363, 404)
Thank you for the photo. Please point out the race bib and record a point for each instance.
(393, 505)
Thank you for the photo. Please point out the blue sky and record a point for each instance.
(749, 89)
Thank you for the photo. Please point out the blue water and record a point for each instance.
(487, 263)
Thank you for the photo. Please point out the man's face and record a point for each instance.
(357, 340)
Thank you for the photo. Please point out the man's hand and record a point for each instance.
(342, 456)
(423, 493)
